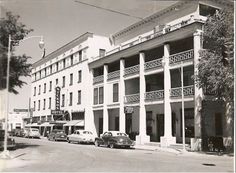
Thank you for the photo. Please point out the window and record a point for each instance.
(57, 66)
(102, 52)
(44, 104)
(34, 91)
(56, 81)
(34, 105)
(44, 91)
(64, 63)
(95, 96)
(71, 98)
(50, 86)
(71, 79)
(49, 103)
(50, 69)
(39, 89)
(79, 97)
(38, 105)
(115, 92)
(79, 76)
(62, 100)
(80, 56)
(101, 95)
(71, 60)
(63, 81)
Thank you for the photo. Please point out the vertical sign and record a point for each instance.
(57, 97)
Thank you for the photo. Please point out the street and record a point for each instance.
(41, 155)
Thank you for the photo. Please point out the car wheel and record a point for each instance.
(111, 145)
(68, 141)
(96, 143)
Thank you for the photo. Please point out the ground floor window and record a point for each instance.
(189, 122)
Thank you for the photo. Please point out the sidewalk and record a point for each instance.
(181, 152)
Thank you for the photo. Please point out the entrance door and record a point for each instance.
(160, 126)
(100, 126)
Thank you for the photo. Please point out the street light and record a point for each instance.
(5, 154)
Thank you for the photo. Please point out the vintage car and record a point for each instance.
(57, 135)
(10, 141)
(81, 136)
(31, 133)
(114, 139)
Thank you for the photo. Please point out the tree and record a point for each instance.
(19, 66)
(216, 62)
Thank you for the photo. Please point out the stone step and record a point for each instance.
(158, 144)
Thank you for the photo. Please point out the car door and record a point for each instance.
(73, 136)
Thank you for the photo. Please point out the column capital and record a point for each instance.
(165, 43)
(142, 51)
(105, 64)
(198, 32)
(122, 58)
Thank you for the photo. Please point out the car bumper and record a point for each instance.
(61, 139)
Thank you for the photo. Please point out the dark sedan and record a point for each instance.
(114, 139)
(57, 135)
(10, 141)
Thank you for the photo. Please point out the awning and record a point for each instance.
(46, 124)
(75, 123)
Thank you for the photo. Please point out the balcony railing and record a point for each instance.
(131, 70)
(153, 64)
(113, 75)
(130, 44)
(177, 92)
(182, 56)
(154, 95)
(98, 79)
(134, 98)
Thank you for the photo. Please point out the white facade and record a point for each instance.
(145, 63)
(66, 68)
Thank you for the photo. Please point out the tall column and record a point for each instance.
(105, 111)
(142, 137)
(167, 139)
(121, 96)
(198, 91)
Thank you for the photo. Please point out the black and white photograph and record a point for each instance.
(117, 85)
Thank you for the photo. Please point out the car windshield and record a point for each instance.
(87, 132)
(35, 130)
(121, 134)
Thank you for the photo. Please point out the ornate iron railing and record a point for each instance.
(153, 64)
(177, 92)
(182, 56)
(154, 95)
(131, 70)
(98, 79)
(133, 98)
(113, 75)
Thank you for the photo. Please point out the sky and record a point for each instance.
(61, 21)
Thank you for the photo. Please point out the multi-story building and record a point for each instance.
(59, 96)
(137, 84)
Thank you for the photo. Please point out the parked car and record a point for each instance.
(19, 133)
(114, 139)
(10, 141)
(32, 133)
(81, 136)
(57, 135)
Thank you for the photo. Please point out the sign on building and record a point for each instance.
(57, 97)
(129, 110)
(57, 112)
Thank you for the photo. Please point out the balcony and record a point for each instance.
(113, 75)
(133, 98)
(131, 70)
(154, 95)
(177, 92)
(98, 79)
(153, 64)
(182, 56)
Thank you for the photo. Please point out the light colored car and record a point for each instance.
(81, 136)
(32, 133)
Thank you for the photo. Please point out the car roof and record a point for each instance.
(115, 132)
(82, 131)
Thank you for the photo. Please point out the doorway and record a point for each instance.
(160, 126)
(100, 126)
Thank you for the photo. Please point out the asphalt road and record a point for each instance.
(40, 155)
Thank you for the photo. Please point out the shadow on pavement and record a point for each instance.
(25, 145)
